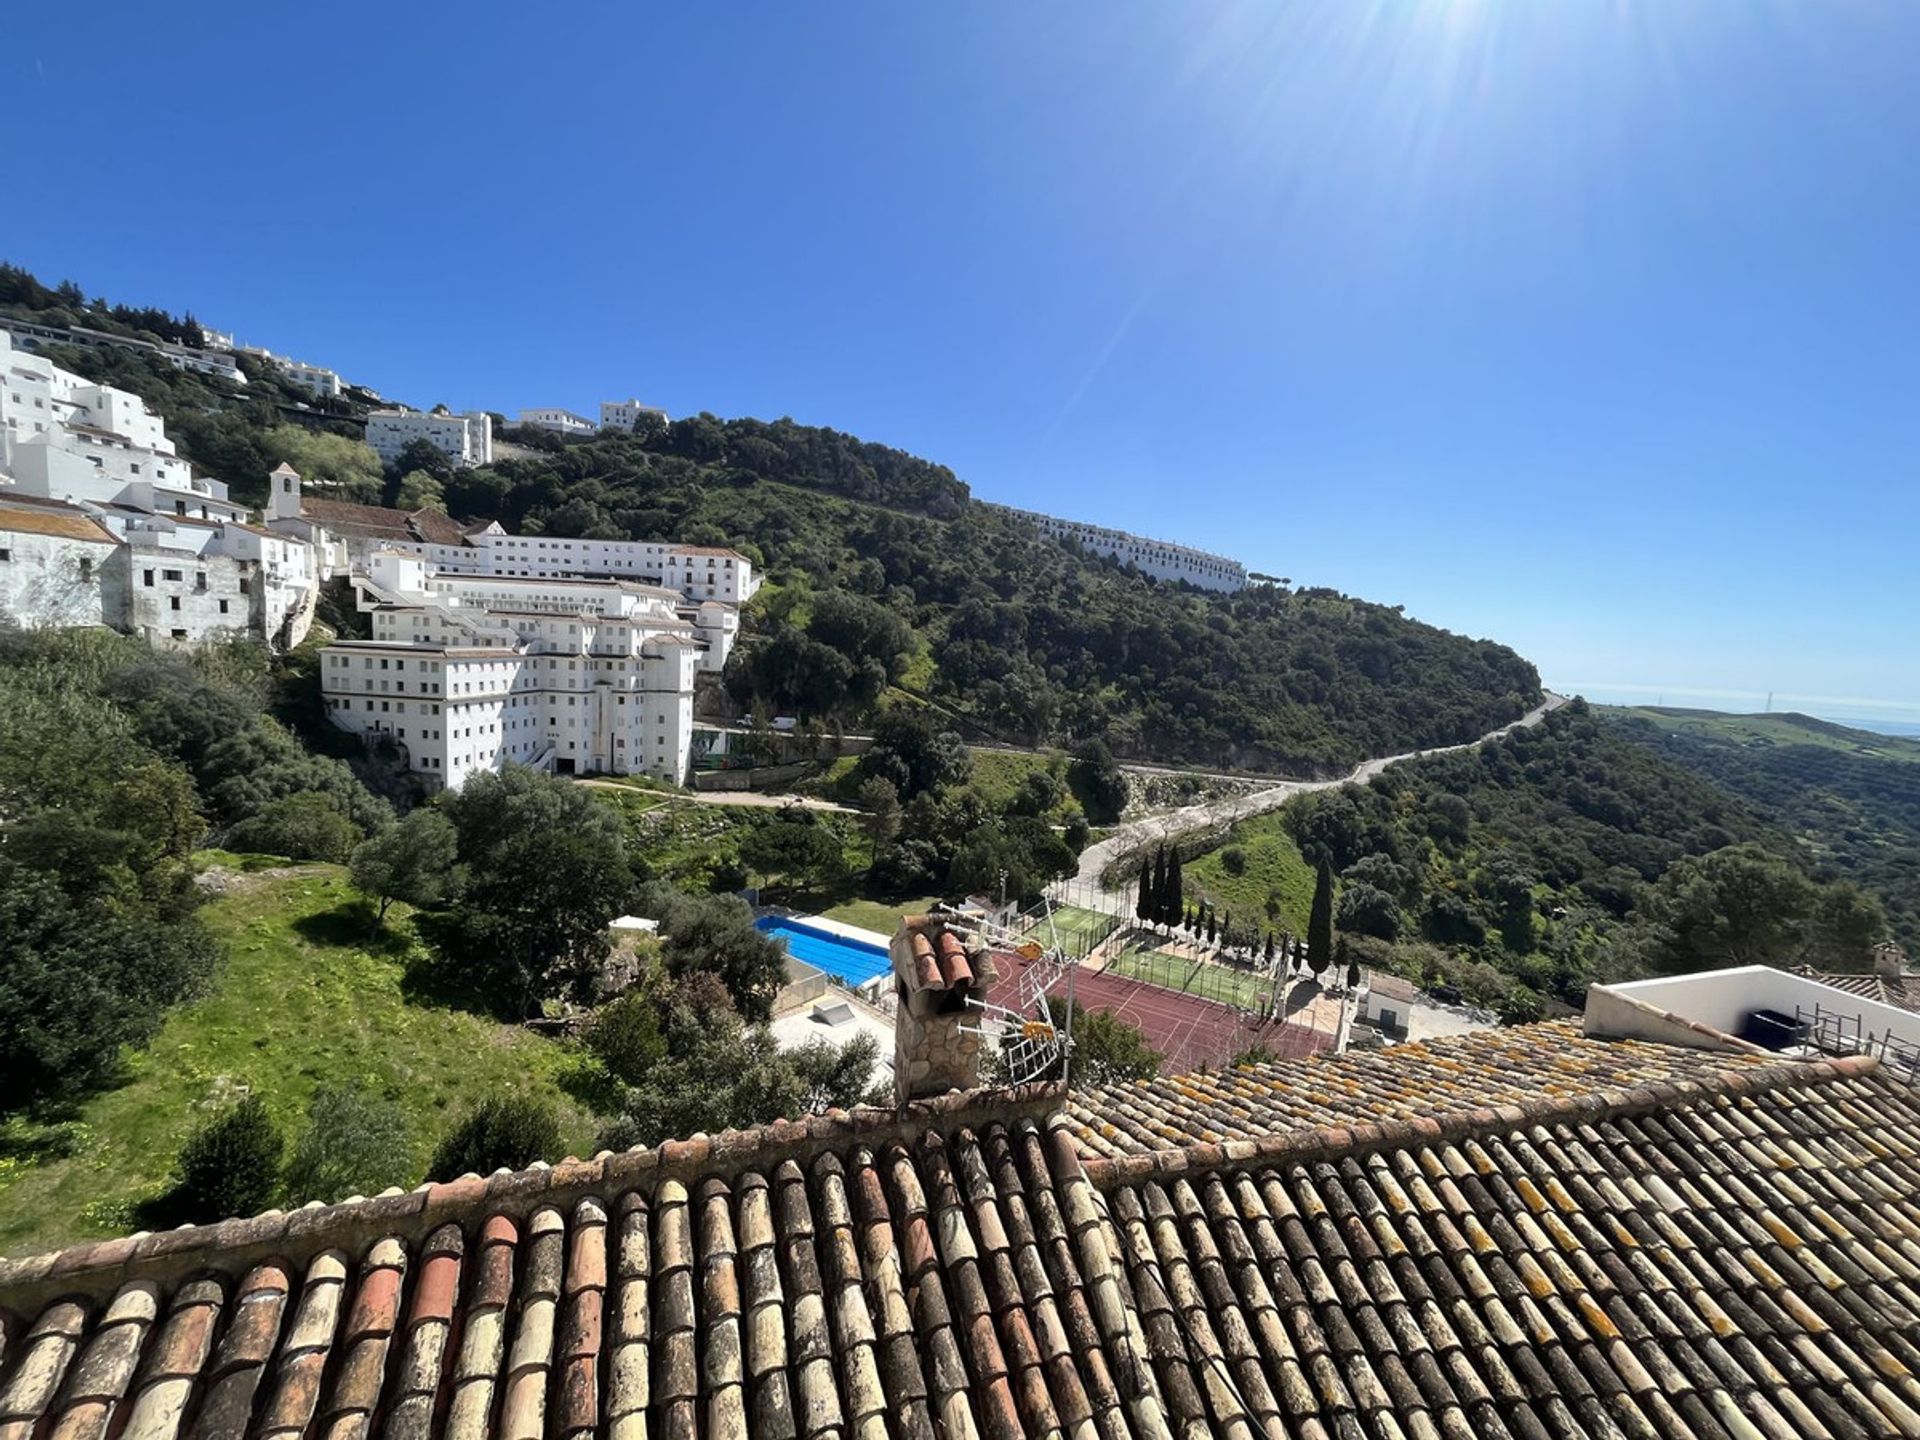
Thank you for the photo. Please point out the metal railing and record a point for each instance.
(1837, 1032)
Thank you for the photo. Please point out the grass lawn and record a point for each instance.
(1079, 930)
(880, 916)
(1274, 866)
(1210, 982)
(300, 1002)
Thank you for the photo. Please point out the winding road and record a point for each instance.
(1151, 829)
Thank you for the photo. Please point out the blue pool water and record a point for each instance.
(853, 961)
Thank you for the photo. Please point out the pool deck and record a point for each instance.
(843, 930)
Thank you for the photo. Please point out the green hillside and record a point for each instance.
(888, 579)
(1849, 798)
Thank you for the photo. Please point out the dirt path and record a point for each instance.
(1152, 829)
(752, 799)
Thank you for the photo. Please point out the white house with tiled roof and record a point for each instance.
(469, 673)
(59, 567)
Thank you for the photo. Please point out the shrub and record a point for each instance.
(1234, 860)
(229, 1166)
(355, 1144)
(306, 826)
(505, 1132)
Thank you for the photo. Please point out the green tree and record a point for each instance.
(1845, 925)
(354, 1144)
(420, 490)
(835, 1077)
(303, 826)
(879, 803)
(914, 756)
(1098, 782)
(715, 935)
(626, 1035)
(416, 861)
(230, 1166)
(327, 460)
(1367, 911)
(1740, 905)
(503, 1132)
(795, 846)
(79, 979)
(1175, 898)
(547, 873)
(1320, 920)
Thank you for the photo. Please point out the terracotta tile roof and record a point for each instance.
(1488, 1067)
(43, 520)
(1730, 1251)
(351, 518)
(1899, 990)
(1742, 1263)
(436, 527)
(377, 522)
(1389, 986)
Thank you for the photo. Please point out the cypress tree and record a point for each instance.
(1161, 914)
(1320, 921)
(1270, 949)
(1176, 895)
(1210, 925)
(1143, 902)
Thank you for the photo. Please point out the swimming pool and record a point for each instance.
(854, 961)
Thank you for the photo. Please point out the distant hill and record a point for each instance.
(891, 585)
(1851, 798)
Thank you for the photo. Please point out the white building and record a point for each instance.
(469, 673)
(194, 580)
(465, 439)
(1158, 559)
(193, 569)
(59, 567)
(561, 422)
(625, 414)
(28, 336)
(316, 380)
(700, 572)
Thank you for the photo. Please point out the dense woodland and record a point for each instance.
(1565, 853)
(1850, 798)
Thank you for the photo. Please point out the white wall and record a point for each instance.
(1723, 1000)
(49, 581)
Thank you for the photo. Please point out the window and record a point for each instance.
(223, 607)
(173, 602)
(179, 634)
(146, 577)
(170, 575)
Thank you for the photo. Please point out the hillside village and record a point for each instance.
(1436, 1089)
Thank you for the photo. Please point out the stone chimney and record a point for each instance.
(937, 967)
(1889, 960)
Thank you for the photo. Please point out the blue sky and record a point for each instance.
(1591, 327)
